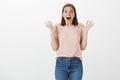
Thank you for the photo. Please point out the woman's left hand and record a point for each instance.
(88, 25)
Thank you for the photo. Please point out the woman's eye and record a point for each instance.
(71, 11)
(65, 11)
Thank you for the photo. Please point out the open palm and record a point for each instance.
(88, 25)
(49, 25)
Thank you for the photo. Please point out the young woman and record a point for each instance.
(68, 39)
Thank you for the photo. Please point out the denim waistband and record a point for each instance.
(68, 58)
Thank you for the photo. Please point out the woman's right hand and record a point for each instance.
(49, 25)
(52, 29)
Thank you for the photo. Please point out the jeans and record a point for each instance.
(68, 68)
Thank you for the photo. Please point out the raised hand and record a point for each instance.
(49, 25)
(52, 29)
(88, 25)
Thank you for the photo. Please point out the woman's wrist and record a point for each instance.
(85, 33)
(53, 34)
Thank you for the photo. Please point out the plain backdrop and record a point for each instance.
(25, 51)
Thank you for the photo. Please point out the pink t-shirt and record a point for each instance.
(69, 41)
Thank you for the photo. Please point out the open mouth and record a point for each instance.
(68, 18)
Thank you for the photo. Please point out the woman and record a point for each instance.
(68, 39)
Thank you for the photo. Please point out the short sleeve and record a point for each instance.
(57, 27)
(81, 26)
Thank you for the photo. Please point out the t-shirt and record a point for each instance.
(69, 41)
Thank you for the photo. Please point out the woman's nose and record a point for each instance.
(68, 14)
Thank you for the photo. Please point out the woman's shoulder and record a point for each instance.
(57, 25)
(80, 24)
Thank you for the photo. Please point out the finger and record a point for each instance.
(46, 24)
(87, 22)
(90, 22)
(91, 25)
(50, 23)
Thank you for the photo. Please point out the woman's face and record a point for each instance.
(68, 14)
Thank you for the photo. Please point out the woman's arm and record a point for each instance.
(84, 34)
(83, 42)
(54, 36)
(54, 41)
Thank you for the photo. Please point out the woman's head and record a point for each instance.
(69, 15)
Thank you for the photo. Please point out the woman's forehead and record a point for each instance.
(68, 8)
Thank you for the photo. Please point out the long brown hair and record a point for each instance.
(75, 20)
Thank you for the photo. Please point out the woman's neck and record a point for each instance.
(69, 24)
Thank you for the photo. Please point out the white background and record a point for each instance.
(25, 51)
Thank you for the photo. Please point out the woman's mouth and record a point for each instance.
(68, 18)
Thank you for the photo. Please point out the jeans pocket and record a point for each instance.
(76, 60)
(60, 62)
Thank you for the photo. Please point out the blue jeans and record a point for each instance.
(68, 68)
